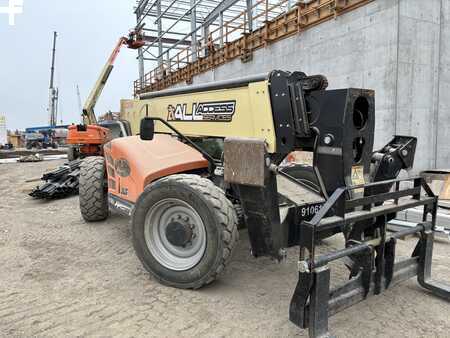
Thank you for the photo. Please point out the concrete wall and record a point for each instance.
(443, 127)
(397, 47)
(418, 75)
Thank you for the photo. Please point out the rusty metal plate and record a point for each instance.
(244, 161)
(358, 178)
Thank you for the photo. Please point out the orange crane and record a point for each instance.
(87, 139)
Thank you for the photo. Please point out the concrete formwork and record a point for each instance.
(396, 47)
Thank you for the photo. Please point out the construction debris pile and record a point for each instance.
(31, 158)
(59, 183)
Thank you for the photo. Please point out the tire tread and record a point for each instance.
(93, 199)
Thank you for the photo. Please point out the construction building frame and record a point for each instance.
(184, 38)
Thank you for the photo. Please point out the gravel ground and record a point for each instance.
(62, 277)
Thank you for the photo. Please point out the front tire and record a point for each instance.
(93, 189)
(184, 230)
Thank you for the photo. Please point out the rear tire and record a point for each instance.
(198, 212)
(72, 153)
(93, 189)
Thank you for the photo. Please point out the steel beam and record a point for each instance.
(141, 6)
(159, 25)
(167, 40)
(193, 29)
(221, 28)
(223, 6)
(165, 11)
(167, 31)
(249, 15)
(141, 66)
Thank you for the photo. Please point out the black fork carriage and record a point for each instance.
(374, 268)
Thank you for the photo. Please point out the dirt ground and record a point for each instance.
(62, 277)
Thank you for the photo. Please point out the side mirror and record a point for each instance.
(147, 129)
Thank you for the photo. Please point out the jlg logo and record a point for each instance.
(222, 111)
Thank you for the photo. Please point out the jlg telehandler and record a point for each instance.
(215, 152)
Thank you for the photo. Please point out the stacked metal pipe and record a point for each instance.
(59, 183)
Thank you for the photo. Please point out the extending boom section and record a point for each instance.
(88, 109)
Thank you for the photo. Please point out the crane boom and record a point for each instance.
(80, 106)
(88, 109)
(53, 92)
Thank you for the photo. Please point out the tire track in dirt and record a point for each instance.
(65, 277)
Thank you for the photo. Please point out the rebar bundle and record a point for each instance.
(59, 183)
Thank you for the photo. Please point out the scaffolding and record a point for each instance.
(186, 37)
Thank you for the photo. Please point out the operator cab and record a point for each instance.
(118, 128)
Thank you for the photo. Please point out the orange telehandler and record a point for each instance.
(87, 139)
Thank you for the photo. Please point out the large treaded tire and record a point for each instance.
(72, 153)
(218, 216)
(93, 189)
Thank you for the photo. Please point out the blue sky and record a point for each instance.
(88, 30)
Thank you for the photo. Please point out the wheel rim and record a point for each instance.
(160, 221)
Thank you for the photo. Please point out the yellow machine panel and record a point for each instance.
(235, 112)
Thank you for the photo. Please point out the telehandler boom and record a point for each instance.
(87, 139)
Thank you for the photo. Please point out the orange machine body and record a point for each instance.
(89, 138)
(132, 164)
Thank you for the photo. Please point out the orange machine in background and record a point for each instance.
(87, 139)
